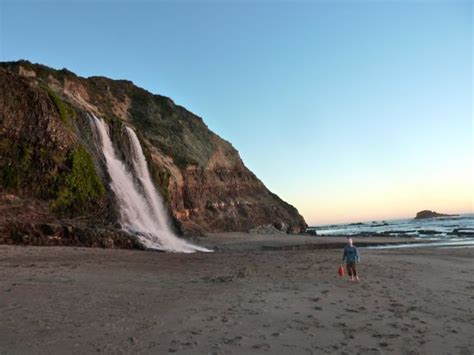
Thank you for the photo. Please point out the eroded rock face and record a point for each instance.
(30, 221)
(61, 234)
(201, 176)
(33, 141)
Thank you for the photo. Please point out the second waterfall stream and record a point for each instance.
(142, 212)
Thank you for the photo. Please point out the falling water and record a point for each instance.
(141, 213)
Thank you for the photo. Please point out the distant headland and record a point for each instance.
(432, 214)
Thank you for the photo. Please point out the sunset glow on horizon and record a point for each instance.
(392, 206)
(402, 197)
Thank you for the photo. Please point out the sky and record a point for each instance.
(349, 110)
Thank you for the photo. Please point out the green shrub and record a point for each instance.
(81, 187)
(16, 165)
(60, 105)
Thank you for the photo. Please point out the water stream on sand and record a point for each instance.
(142, 211)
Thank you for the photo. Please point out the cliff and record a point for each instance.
(48, 160)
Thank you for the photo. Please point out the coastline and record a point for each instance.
(76, 300)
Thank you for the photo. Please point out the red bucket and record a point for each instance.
(341, 271)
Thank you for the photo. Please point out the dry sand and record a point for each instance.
(79, 300)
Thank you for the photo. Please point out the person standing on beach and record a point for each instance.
(351, 257)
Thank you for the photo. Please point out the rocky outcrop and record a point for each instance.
(31, 221)
(431, 214)
(47, 154)
(61, 234)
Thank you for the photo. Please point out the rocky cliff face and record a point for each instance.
(47, 155)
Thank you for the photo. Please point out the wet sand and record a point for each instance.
(240, 300)
(246, 241)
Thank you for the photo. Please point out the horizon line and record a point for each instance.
(379, 220)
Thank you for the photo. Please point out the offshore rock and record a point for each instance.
(432, 214)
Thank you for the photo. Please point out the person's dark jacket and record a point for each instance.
(351, 254)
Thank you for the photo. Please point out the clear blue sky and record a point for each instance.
(350, 110)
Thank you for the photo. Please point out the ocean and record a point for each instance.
(455, 228)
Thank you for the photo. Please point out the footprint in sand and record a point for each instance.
(230, 341)
(263, 346)
(351, 310)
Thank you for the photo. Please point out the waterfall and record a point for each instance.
(142, 212)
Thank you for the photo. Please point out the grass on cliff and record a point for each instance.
(18, 166)
(60, 105)
(81, 187)
(174, 130)
(65, 111)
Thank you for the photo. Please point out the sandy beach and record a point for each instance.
(237, 300)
